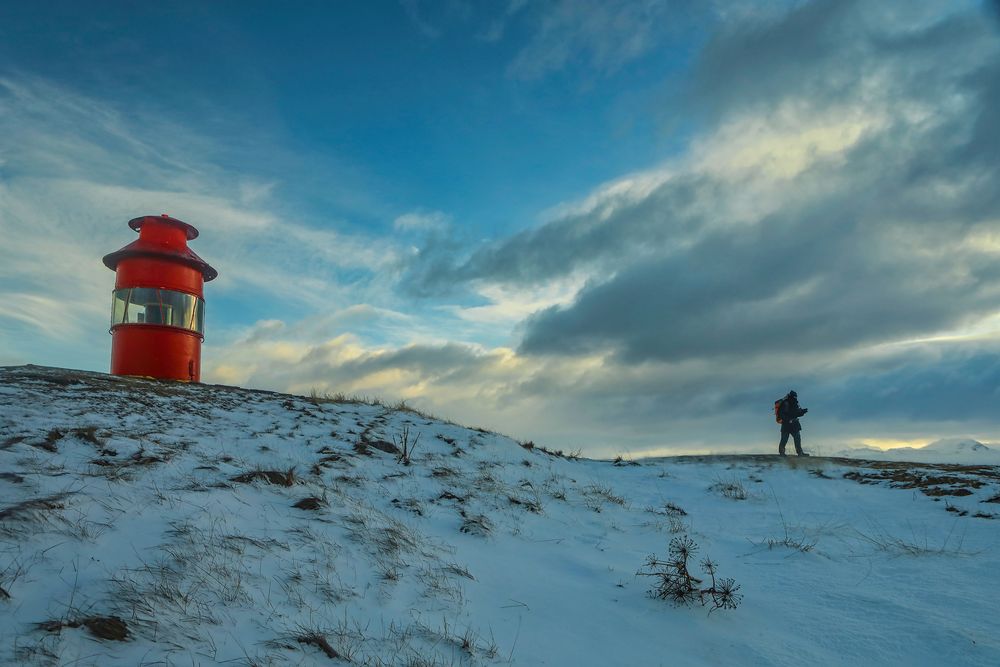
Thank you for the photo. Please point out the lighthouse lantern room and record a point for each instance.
(158, 307)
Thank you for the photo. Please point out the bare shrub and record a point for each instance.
(405, 445)
(674, 581)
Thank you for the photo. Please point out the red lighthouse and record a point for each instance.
(158, 310)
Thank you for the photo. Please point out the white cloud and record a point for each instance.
(422, 221)
(604, 34)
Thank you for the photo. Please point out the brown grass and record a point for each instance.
(102, 627)
(320, 642)
(476, 524)
(14, 512)
(50, 440)
(276, 477)
(930, 484)
(12, 440)
(310, 503)
(88, 434)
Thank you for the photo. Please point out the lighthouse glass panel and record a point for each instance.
(149, 305)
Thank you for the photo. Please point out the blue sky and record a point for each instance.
(402, 103)
(618, 226)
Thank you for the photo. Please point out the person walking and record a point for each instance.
(788, 413)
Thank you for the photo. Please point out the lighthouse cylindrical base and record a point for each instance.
(154, 351)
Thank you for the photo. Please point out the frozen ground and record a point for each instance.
(156, 523)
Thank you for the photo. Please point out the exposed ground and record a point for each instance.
(159, 523)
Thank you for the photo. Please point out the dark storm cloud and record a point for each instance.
(587, 239)
(749, 63)
(836, 273)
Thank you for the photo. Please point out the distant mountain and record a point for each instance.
(956, 445)
(945, 450)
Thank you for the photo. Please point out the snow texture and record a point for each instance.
(145, 522)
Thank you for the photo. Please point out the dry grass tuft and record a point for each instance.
(18, 510)
(730, 488)
(622, 461)
(88, 434)
(12, 440)
(383, 446)
(276, 477)
(102, 627)
(605, 492)
(477, 524)
(320, 642)
(310, 503)
(51, 438)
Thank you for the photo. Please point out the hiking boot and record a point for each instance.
(782, 454)
(801, 453)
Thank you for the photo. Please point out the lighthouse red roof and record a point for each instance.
(159, 238)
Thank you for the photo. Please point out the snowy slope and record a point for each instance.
(162, 518)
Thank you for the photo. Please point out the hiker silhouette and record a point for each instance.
(789, 412)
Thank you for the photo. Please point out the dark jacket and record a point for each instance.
(790, 413)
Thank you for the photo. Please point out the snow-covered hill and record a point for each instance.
(159, 523)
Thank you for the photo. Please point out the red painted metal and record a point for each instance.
(159, 258)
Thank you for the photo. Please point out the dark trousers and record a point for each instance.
(796, 436)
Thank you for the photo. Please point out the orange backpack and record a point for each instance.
(777, 409)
